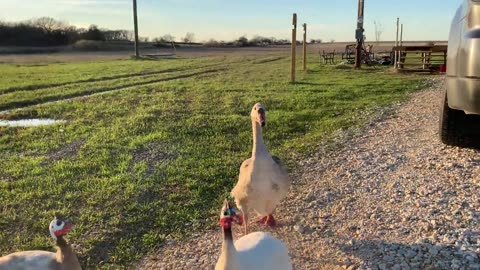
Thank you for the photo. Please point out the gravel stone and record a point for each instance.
(299, 228)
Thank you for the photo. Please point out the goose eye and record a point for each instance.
(255, 108)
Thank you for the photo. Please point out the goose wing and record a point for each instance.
(281, 172)
(239, 192)
(279, 163)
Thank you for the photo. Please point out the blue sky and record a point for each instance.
(229, 19)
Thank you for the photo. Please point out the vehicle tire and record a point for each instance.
(457, 128)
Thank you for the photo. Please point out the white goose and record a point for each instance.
(263, 181)
(255, 251)
(63, 259)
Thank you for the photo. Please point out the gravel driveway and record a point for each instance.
(391, 197)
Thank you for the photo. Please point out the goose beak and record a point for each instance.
(261, 116)
(225, 204)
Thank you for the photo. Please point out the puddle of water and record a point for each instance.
(29, 122)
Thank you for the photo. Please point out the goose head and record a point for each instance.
(59, 227)
(229, 215)
(258, 114)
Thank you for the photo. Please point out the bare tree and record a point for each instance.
(189, 37)
(378, 31)
(168, 38)
(129, 35)
(48, 24)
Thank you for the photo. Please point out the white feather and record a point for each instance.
(265, 174)
(262, 251)
(28, 260)
(53, 227)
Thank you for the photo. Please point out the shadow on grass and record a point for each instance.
(310, 83)
(141, 228)
(154, 57)
(101, 79)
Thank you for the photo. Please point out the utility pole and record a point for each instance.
(135, 27)
(294, 47)
(359, 34)
(304, 47)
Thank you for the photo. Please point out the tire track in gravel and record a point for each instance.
(386, 196)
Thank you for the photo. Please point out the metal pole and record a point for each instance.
(304, 46)
(396, 45)
(359, 34)
(294, 47)
(135, 26)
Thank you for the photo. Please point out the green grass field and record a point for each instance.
(155, 158)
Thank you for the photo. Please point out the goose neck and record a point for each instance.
(66, 255)
(258, 144)
(228, 258)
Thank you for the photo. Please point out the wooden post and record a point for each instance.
(304, 47)
(396, 45)
(294, 47)
(359, 34)
(401, 35)
(401, 57)
(135, 27)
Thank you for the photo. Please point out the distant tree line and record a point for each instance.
(245, 42)
(47, 31)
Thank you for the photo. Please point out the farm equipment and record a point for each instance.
(367, 55)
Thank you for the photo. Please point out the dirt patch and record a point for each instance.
(151, 154)
(4, 177)
(268, 60)
(68, 150)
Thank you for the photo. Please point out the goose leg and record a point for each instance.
(270, 221)
(267, 221)
(262, 221)
(245, 223)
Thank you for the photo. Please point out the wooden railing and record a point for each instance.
(421, 58)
